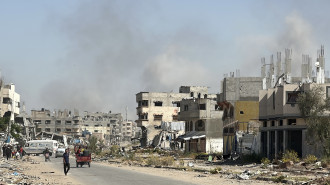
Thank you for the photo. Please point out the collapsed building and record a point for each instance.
(155, 107)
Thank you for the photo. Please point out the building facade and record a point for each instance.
(10, 99)
(60, 122)
(154, 108)
(203, 125)
(283, 128)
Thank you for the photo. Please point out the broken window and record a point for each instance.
(241, 112)
(47, 122)
(176, 104)
(175, 117)
(47, 129)
(273, 123)
(292, 97)
(38, 129)
(200, 125)
(58, 122)
(328, 91)
(37, 121)
(265, 124)
(144, 103)
(202, 106)
(108, 125)
(281, 122)
(292, 121)
(6, 101)
(158, 117)
(58, 130)
(205, 96)
(68, 130)
(192, 94)
(158, 103)
(68, 122)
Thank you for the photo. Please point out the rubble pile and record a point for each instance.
(13, 173)
(292, 173)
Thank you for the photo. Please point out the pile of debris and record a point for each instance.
(12, 173)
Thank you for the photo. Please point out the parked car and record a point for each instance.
(59, 152)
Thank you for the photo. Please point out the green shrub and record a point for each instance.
(216, 170)
(279, 179)
(309, 159)
(325, 161)
(290, 155)
(265, 161)
(167, 161)
(160, 161)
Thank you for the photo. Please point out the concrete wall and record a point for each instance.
(246, 111)
(241, 88)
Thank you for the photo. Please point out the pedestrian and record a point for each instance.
(66, 163)
(8, 152)
(21, 152)
(4, 150)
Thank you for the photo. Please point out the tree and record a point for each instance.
(92, 143)
(4, 122)
(314, 107)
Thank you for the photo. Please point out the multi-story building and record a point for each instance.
(155, 107)
(107, 126)
(61, 122)
(10, 100)
(203, 125)
(283, 127)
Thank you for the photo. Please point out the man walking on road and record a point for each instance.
(66, 161)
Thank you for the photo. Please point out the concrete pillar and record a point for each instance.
(285, 138)
(276, 143)
(268, 144)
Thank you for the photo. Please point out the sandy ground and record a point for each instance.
(188, 176)
(36, 166)
(48, 175)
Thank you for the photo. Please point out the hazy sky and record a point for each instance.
(96, 55)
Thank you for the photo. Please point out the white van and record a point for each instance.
(38, 146)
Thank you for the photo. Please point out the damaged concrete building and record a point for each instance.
(155, 107)
(105, 126)
(60, 122)
(203, 124)
(283, 127)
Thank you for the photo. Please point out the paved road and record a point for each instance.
(100, 174)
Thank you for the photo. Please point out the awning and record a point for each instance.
(193, 135)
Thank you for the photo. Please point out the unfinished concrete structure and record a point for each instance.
(155, 107)
(282, 126)
(203, 125)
